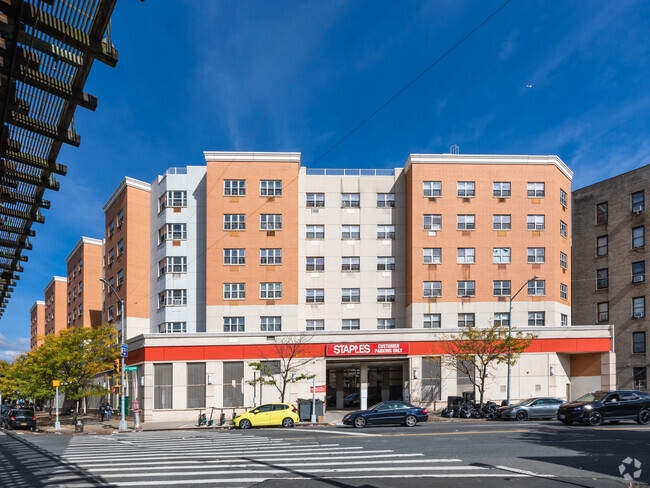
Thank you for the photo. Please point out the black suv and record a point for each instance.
(18, 417)
(606, 406)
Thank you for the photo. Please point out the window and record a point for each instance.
(501, 189)
(120, 247)
(172, 327)
(466, 320)
(563, 229)
(233, 324)
(350, 295)
(176, 199)
(638, 237)
(163, 385)
(385, 263)
(432, 288)
(432, 188)
(270, 324)
(431, 321)
(385, 323)
(271, 222)
(234, 188)
(120, 278)
(465, 255)
(640, 376)
(603, 311)
(385, 200)
(432, 255)
(638, 272)
(74, 314)
(315, 232)
(536, 319)
(69, 297)
(638, 342)
(234, 222)
(315, 325)
(536, 288)
(234, 291)
(502, 319)
(466, 288)
(465, 222)
(638, 201)
(601, 213)
(563, 260)
(170, 298)
(234, 257)
(535, 189)
(315, 295)
(601, 246)
(120, 218)
(350, 324)
(315, 264)
(501, 288)
(271, 256)
(195, 385)
(74, 292)
(563, 198)
(350, 200)
(315, 199)
(351, 263)
(564, 291)
(81, 307)
(81, 284)
(501, 222)
(111, 257)
(270, 291)
(465, 189)
(638, 307)
(385, 295)
(119, 308)
(602, 278)
(536, 254)
(433, 222)
(535, 222)
(501, 255)
(385, 232)
(111, 229)
(271, 188)
(350, 232)
(564, 320)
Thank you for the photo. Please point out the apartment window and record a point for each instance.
(564, 291)
(638, 201)
(536, 254)
(563, 198)
(234, 291)
(563, 229)
(271, 256)
(111, 314)
(501, 189)
(638, 342)
(111, 229)
(385, 263)
(176, 199)
(536, 288)
(170, 298)
(233, 324)
(69, 318)
(601, 213)
(640, 376)
(601, 246)
(564, 320)
(638, 307)
(432, 255)
(638, 272)
(502, 319)
(563, 260)
(385, 295)
(466, 320)
(119, 308)
(433, 222)
(350, 200)
(270, 291)
(350, 232)
(111, 257)
(234, 222)
(431, 321)
(602, 278)
(350, 263)
(638, 237)
(535, 222)
(120, 248)
(69, 297)
(270, 324)
(271, 222)
(466, 288)
(501, 222)
(432, 288)
(120, 218)
(350, 295)
(385, 232)
(501, 288)
(120, 277)
(315, 232)
(315, 199)
(315, 264)
(385, 200)
(234, 257)
(465, 222)
(74, 292)
(81, 283)
(501, 255)
(271, 188)
(465, 255)
(465, 189)
(536, 319)
(350, 324)
(74, 314)
(315, 325)
(315, 295)
(234, 188)
(603, 311)
(432, 188)
(535, 189)
(385, 323)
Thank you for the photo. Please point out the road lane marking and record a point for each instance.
(523, 471)
(356, 434)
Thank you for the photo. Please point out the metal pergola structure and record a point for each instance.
(47, 48)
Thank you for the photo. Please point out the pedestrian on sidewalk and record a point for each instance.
(102, 412)
(108, 411)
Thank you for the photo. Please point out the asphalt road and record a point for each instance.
(440, 454)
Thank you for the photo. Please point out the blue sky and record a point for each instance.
(195, 76)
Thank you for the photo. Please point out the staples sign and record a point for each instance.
(375, 348)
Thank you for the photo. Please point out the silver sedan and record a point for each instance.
(533, 408)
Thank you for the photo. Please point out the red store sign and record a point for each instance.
(372, 349)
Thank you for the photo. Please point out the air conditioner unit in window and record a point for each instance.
(638, 278)
(639, 315)
(637, 208)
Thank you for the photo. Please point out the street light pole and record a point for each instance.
(511, 298)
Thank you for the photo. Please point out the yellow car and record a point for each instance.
(283, 414)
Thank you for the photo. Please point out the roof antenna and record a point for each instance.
(455, 149)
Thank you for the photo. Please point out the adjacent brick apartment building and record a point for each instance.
(85, 268)
(37, 322)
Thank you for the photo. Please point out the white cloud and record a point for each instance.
(10, 348)
(509, 45)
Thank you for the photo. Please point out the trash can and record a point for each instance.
(305, 408)
(79, 426)
(452, 401)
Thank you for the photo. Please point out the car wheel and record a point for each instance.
(410, 421)
(288, 422)
(359, 422)
(521, 415)
(644, 417)
(567, 422)
(595, 419)
(245, 424)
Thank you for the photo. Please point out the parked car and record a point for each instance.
(352, 400)
(390, 412)
(607, 406)
(533, 408)
(19, 417)
(267, 415)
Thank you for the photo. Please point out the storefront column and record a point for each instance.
(385, 385)
(340, 393)
(364, 385)
(406, 378)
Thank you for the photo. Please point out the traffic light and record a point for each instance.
(116, 366)
(116, 389)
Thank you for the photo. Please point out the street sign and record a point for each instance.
(125, 351)
(56, 383)
(131, 368)
(319, 389)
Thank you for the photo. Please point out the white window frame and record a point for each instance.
(270, 222)
(536, 255)
(501, 288)
(315, 232)
(501, 189)
(432, 255)
(271, 188)
(234, 188)
(385, 323)
(432, 189)
(466, 189)
(314, 324)
(564, 229)
(385, 295)
(538, 319)
(350, 263)
(564, 260)
(234, 324)
(315, 200)
(315, 295)
(234, 257)
(501, 319)
(432, 288)
(385, 232)
(537, 288)
(271, 291)
(432, 222)
(172, 298)
(563, 198)
(172, 328)
(271, 256)
(271, 323)
(466, 222)
(234, 222)
(564, 320)
(385, 200)
(350, 200)
(535, 189)
(350, 295)
(535, 222)
(385, 263)
(234, 291)
(350, 324)
(465, 255)
(501, 222)
(466, 288)
(350, 232)
(314, 263)
(431, 319)
(466, 320)
(564, 291)
(501, 255)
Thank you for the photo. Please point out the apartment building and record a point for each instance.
(609, 272)
(37, 323)
(55, 305)
(84, 270)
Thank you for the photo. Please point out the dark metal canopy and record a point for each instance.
(47, 48)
